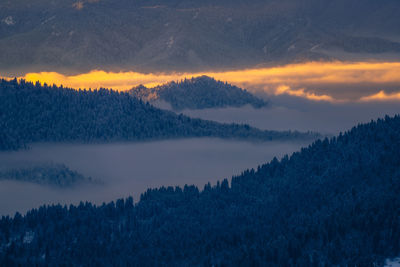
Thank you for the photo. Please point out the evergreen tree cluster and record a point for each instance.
(55, 175)
(35, 113)
(199, 93)
(334, 203)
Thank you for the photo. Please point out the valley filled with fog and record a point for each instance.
(285, 113)
(131, 168)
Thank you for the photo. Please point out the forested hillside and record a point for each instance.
(34, 113)
(334, 203)
(199, 93)
(55, 175)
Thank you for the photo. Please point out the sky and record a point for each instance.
(335, 82)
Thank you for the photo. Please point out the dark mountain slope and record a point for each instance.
(335, 203)
(34, 113)
(54, 175)
(198, 93)
(81, 35)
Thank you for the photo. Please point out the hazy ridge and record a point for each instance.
(49, 174)
(198, 93)
(77, 36)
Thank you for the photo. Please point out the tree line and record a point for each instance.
(199, 93)
(40, 113)
(334, 203)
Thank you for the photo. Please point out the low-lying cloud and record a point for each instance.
(131, 168)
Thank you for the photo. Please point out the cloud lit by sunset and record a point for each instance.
(381, 96)
(318, 81)
(286, 90)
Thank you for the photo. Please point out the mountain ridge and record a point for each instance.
(177, 35)
(198, 93)
(34, 113)
(334, 202)
(49, 174)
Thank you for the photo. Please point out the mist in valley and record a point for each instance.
(292, 113)
(131, 168)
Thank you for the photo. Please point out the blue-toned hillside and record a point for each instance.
(34, 113)
(335, 203)
(199, 93)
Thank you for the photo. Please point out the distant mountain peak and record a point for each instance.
(199, 93)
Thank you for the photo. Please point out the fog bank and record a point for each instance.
(131, 168)
(286, 113)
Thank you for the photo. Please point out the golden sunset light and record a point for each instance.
(381, 96)
(298, 80)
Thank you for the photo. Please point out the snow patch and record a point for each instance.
(47, 20)
(170, 42)
(265, 49)
(292, 47)
(9, 20)
(392, 262)
(28, 238)
(315, 47)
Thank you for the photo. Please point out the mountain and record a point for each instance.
(56, 175)
(198, 93)
(334, 203)
(186, 35)
(34, 113)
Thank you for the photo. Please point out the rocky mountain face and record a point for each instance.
(175, 35)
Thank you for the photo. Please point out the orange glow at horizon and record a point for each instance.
(284, 89)
(78, 5)
(381, 96)
(305, 80)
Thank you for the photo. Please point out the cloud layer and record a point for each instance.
(318, 81)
